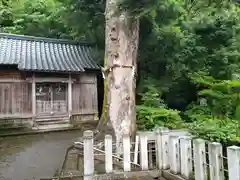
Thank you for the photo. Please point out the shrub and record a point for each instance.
(153, 112)
(218, 130)
(150, 117)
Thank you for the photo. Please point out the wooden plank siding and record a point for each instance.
(85, 95)
(15, 97)
(11, 75)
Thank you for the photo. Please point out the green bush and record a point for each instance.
(153, 112)
(215, 116)
(194, 111)
(150, 117)
(218, 130)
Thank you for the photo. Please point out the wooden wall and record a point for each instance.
(85, 100)
(11, 74)
(15, 94)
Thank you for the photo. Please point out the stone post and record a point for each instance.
(126, 153)
(143, 151)
(233, 156)
(174, 157)
(216, 161)
(159, 149)
(199, 159)
(186, 156)
(88, 155)
(165, 148)
(108, 154)
(136, 149)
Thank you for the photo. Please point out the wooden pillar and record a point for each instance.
(70, 95)
(33, 95)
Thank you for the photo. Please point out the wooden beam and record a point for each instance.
(16, 116)
(33, 95)
(51, 79)
(70, 95)
(37, 79)
(12, 80)
(84, 113)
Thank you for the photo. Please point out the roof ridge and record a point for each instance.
(43, 39)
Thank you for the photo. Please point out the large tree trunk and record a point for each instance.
(121, 46)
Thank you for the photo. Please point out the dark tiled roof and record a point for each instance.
(45, 54)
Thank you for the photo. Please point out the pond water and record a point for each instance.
(34, 156)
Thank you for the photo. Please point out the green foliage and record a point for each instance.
(37, 17)
(5, 14)
(189, 52)
(150, 93)
(221, 95)
(237, 113)
(196, 111)
(218, 130)
(139, 9)
(150, 117)
(203, 124)
(153, 112)
(217, 118)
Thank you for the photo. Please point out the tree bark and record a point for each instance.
(121, 45)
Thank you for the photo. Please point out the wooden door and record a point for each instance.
(51, 99)
(59, 98)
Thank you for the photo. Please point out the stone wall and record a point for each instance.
(9, 123)
(77, 120)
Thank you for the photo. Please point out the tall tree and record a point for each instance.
(121, 45)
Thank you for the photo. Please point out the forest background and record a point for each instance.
(188, 58)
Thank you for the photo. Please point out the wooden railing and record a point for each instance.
(176, 157)
(57, 106)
